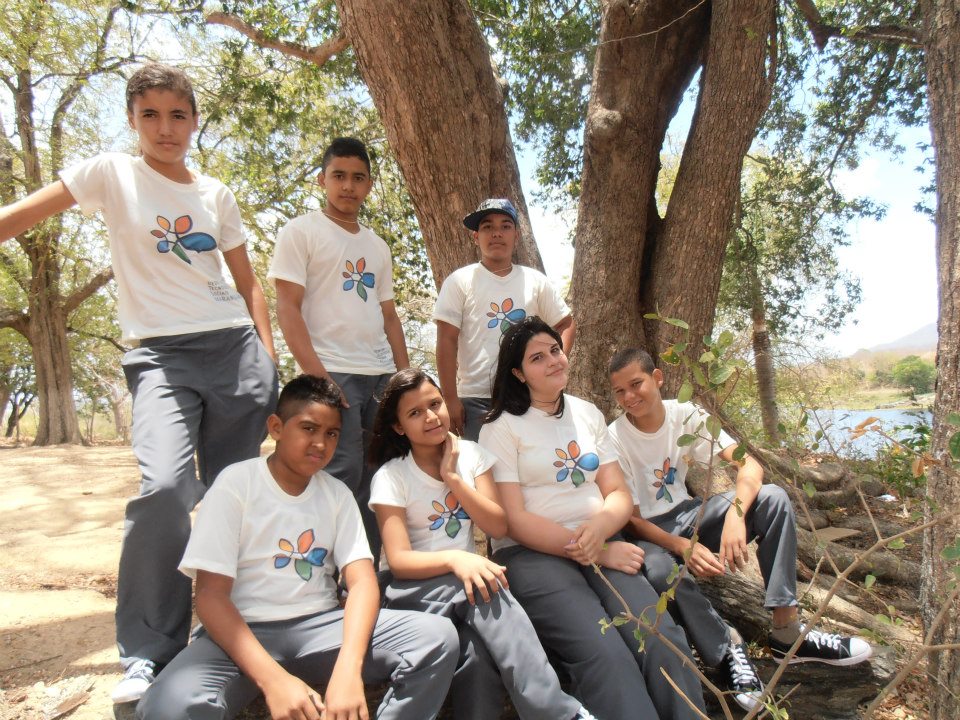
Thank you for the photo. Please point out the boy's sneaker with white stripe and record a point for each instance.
(136, 679)
(823, 647)
(740, 677)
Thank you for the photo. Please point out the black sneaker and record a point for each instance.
(824, 647)
(740, 677)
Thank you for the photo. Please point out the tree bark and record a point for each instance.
(442, 105)
(766, 374)
(941, 24)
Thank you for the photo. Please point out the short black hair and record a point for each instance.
(624, 357)
(509, 394)
(156, 76)
(345, 147)
(305, 389)
(386, 443)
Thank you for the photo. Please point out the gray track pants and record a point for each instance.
(473, 410)
(770, 520)
(565, 601)
(205, 395)
(416, 652)
(499, 648)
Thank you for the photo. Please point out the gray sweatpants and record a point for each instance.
(770, 520)
(473, 410)
(205, 395)
(565, 601)
(349, 463)
(499, 648)
(417, 653)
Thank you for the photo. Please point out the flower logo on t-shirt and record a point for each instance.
(182, 237)
(305, 557)
(452, 514)
(572, 463)
(505, 315)
(356, 277)
(664, 477)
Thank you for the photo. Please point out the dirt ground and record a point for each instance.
(62, 522)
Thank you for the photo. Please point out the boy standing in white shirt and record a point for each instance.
(478, 303)
(334, 280)
(266, 543)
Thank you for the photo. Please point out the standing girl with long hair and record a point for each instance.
(565, 497)
(431, 488)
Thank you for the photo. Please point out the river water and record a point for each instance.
(837, 424)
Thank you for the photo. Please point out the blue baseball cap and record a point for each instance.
(488, 207)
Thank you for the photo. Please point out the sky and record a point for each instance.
(893, 257)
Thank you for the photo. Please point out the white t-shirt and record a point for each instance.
(345, 277)
(654, 465)
(163, 238)
(435, 519)
(483, 306)
(555, 460)
(281, 550)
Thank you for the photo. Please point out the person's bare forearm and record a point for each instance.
(297, 337)
(393, 329)
(568, 333)
(643, 529)
(33, 209)
(447, 342)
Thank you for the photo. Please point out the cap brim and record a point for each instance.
(472, 221)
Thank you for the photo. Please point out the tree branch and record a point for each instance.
(822, 32)
(105, 338)
(94, 284)
(14, 319)
(318, 54)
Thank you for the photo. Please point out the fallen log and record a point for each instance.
(884, 564)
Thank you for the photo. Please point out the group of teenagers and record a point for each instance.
(372, 454)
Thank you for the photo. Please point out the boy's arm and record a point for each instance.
(345, 697)
(287, 696)
(568, 333)
(448, 340)
(394, 331)
(249, 288)
(34, 208)
(701, 562)
(733, 538)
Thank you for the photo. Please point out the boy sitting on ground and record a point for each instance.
(267, 541)
(655, 466)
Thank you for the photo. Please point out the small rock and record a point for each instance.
(826, 476)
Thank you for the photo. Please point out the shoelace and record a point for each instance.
(740, 668)
(822, 639)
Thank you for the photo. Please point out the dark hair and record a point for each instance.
(155, 76)
(386, 443)
(345, 147)
(624, 357)
(305, 389)
(509, 394)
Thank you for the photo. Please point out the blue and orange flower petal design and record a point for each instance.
(665, 477)
(504, 315)
(305, 557)
(572, 464)
(357, 278)
(449, 511)
(182, 237)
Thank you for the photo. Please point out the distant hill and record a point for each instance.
(918, 342)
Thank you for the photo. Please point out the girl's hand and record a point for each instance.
(289, 698)
(451, 454)
(623, 556)
(703, 563)
(586, 544)
(478, 573)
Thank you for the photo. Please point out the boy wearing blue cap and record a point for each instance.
(478, 303)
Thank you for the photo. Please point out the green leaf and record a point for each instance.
(707, 357)
(804, 419)
(869, 580)
(652, 316)
(720, 374)
(954, 445)
(954, 418)
(809, 489)
(897, 544)
(662, 604)
(677, 322)
(698, 375)
(714, 427)
(674, 574)
(739, 452)
(685, 393)
(686, 439)
(178, 251)
(781, 428)
(670, 357)
(726, 337)
(951, 552)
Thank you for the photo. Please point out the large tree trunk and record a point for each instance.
(442, 104)
(941, 19)
(628, 261)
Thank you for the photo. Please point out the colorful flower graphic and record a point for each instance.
(664, 477)
(505, 315)
(452, 513)
(356, 277)
(307, 558)
(572, 464)
(182, 237)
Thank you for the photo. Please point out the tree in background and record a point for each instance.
(914, 373)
